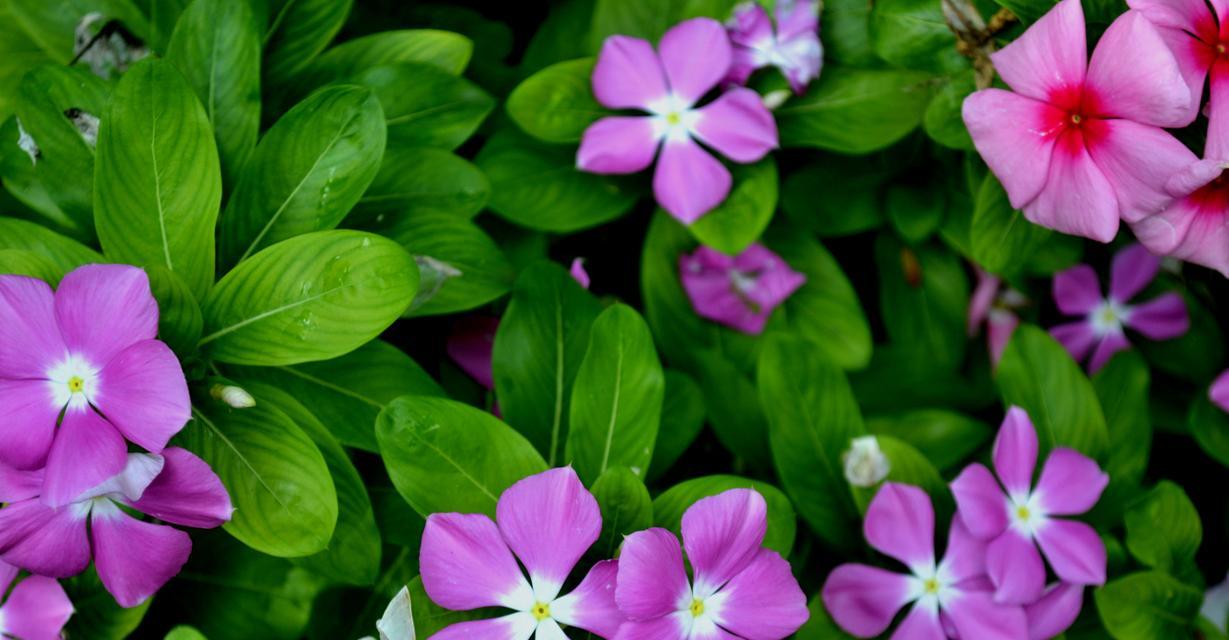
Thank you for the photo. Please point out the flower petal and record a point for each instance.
(465, 564)
(142, 391)
(1055, 611)
(750, 25)
(591, 606)
(87, 452)
(722, 535)
(517, 626)
(774, 280)
(1217, 146)
(1015, 452)
(37, 609)
(738, 125)
(1015, 568)
(675, 626)
(1052, 54)
(135, 558)
(139, 471)
(998, 333)
(1219, 392)
(1134, 75)
(1077, 198)
(17, 485)
(1174, 14)
(44, 541)
(980, 501)
(965, 555)
(549, 520)
(27, 422)
(628, 74)
(618, 144)
(900, 522)
(691, 76)
(1162, 318)
(1076, 337)
(30, 342)
(470, 344)
(863, 600)
(797, 19)
(186, 493)
(1070, 484)
(922, 623)
(976, 615)
(1110, 344)
(103, 309)
(689, 182)
(1133, 269)
(1138, 160)
(763, 602)
(1077, 291)
(1074, 550)
(1014, 135)
(652, 582)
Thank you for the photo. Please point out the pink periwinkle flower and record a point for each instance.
(738, 590)
(1219, 392)
(87, 351)
(738, 291)
(691, 59)
(1101, 330)
(793, 48)
(134, 558)
(36, 609)
(948, 598)
(546, 521)
(1016, 516)
(1079, 143)
(994, 305)
(1197, 35)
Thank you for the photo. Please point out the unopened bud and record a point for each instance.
(865, 464)
(233, 396)
(774, 99)
(26, 143)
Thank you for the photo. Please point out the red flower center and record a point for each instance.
(1212, 199)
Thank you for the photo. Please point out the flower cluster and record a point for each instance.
(991, 583)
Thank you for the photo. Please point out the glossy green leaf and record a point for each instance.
(299, 31)
(1148, 605)
(626, 507)
(66, 254)
(52, 24)
(924, 293)
(425, 106)
(740, 219)
(1122, 388)
(556, 104)
(942, 120)
(1003, 241)
(413, 179)
(946, 438)
(913, 34)
(18, 53)
(163, 16)
(1164, 531)
(430, 618)
(846, 33)
(649, 19)
(1209, 425)
(95, 612)
(26, 263)
(734, 409)
(682, 418)
(179, 313)
(184, 633)
(19, 179)
(669, 507)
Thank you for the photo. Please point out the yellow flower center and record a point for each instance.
(1075, 118)
(1108, 316)
(76, 384)
(697, 608)
(1023, 513)
(673, 118)
(931, 586)
(541, 611)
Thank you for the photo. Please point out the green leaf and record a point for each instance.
(307, 173)
(66, 254)
(1038, 375)
(1003, 241)
(26, 263)
(444, 456)
(856, 110)
(430, 618)
(1209, 424)
(556, 104)
(19, 179)
(820, 626)
(555, 40)
(616, 397)
(740, 219)
(537, 185)
(858, 206)
(914, 35)
(626, 507)
(1122, 388)
(1197, 355)
(216, 46)
(907, 465)
(846, 33)
(179, 314)
(157, 183)
(52, 24)
(682, 418)
(285, 501)
(669, 507)
(183, 632)
(425, 106)
(314, 297)
(925, 294)
(538, 351)
(916, 211)
(95, 612)
(734, 409)
(1164, 531)
(946, 438)
(1148, 605)
(812, 418)
(163, 16)
(413, 179)
(347, 393)
(298, 32)
(19, 53)
(942, 120)
(649, 19)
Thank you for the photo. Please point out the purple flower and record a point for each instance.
(37, 608)
(547, 522)
(741, 291)
(87, 351)
(949, 598)
(994, 306)
(738, 589)
(692, 58)
(1017, 517)
(134, 558)
(578, 273)
(794, 48)
(1219, 393)
(1078, 293)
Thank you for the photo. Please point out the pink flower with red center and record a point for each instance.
(80, 373)
(547, 522)
(134, 558)
(1101, 331)
(993, 305)
(691, 59)
(1016, 517)
(1219, 392)
(1078, 143)
(738, 590)
(36, 609)
(793, 47)
(740, 291)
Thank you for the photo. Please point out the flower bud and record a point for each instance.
(865, 464)
(233, 396)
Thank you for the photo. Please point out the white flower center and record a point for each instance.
(1025, 514)
(73, 383)
(673, 118)
(932, 587)
(1108, 317)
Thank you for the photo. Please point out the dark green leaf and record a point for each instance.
(924, 293)
(946, 438)
(299, 31)
(626, 507)
(913, 34)
(95, 612)
(1164, 531)
(1002, 240)
(1149, 605)
(742, 217)
(179, 314)
(682, 418)
(413, 179)
(425, 106)
(942, 120)
(556, 104)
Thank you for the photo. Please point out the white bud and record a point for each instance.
(26, 142)
(233, 396)
(774, 99)
(398, 620)
(1216, 605)
(865, 464)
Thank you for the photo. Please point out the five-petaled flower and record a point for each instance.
(1080, 143)
(738, 291)
(793, 48)
(36, 609)
(738, 589)
(692, 58)
(85, 359)
(547, 521)
(1018, 516)
(1101, 330)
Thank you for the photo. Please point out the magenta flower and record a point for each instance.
(1101, 331)
(134, 558)
(546, 521)
(993, 305)
(1079, 143)
(1198, 38)
(667, 84)
(578, 273)
(469, 345)
(87, 352)
(1018, 516)
(1219, 393)
(794, 48)
(741, 291)
(37, 608)
(738, 590)
(1055, 611)
(948, 598)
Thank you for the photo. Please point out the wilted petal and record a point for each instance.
(187, 493)
(690, 75)
(1133, 269)
(87, 452)
(900, 522)
(976, 615)
(142, 391)
(1074, 550)
(1070, 484)
(27, 422)
(689, 182)
(738, 125)
(1077, 198)
(518, 626)
(1015, 135)
(103, 309)
(1076, 337)
(30, 342)
(1134, 75)
(618, 144)
(1110, 344)
(1015, 452)
(628, 74)
(980, 500)
(1051, 55)
(549, 520)
(863, 600)
(1055, 611)
(135, 558)
(1219, 392)
(1015, 568)
(465, 564)
(1138, 160)
(44, 541)
(591, 606)
(1162, 318)
(763, 601)
(37, 609)
(652, 582)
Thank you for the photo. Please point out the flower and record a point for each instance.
(1078, 293)
(1055, 611)
(398, 620)
(1017, 520)
(578, 273)
(900, 523)
(87, 351)
(794, 48)
(1079, 143)
(865, 464)
(739, 590)
(37, 608)
(994, 306)
(548, 521)
(688, 181)
(1191, 30)
(134, 558)
(1219, 392)
(740, 292)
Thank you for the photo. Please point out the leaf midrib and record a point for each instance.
(267, 314)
